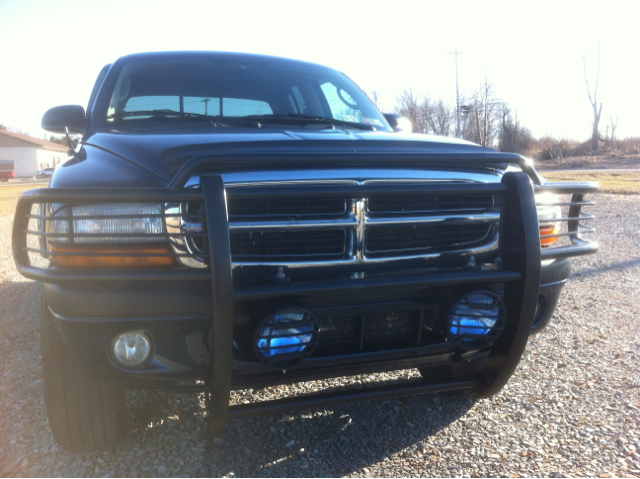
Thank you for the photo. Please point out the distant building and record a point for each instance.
(30, 154)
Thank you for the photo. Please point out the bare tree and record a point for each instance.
(593, 99)
(440, 118)
(513, 137)
(374, 96)
(12, 129)
(408, 105)
(613, 125)
(480, 124)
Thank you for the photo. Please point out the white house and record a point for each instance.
(30, 154)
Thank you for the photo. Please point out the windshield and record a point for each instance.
(263, 90)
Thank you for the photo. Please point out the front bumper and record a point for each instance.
(178, 318)
(204, 301)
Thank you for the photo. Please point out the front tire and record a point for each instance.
(84, 415)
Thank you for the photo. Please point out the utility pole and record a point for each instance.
(457, 95)
(206, 105)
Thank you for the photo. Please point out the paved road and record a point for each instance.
(26, 181)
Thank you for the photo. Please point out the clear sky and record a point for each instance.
(531, 51)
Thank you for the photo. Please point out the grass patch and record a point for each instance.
(618, 183)
(9, 197)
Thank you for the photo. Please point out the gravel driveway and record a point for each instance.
(571, 409)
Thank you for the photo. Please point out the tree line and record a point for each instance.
(485, 119)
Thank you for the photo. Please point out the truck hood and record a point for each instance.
(164, 152)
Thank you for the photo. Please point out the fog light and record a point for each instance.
(131, 349)
(476, 319)
(286, 338)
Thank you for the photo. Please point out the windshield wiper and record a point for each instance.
(297, 118)
(214, 119)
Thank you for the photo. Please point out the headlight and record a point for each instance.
(548, 211)
(117, 235)
(109, 224)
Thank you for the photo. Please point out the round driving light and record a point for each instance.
(286, 338)
(476, 320)
(131, 349)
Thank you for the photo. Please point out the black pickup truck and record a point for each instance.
(237, 221)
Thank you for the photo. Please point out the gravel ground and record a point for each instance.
(571, 409)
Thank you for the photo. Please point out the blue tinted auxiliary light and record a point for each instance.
(286, 338)
(476, 320)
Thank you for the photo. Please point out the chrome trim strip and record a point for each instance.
(292, 265)
(483, 174)
(489, 217)
(291, 183)
(574, 218)
(350, 221)
(417, 180)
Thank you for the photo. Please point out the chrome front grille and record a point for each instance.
(398, 240)
(288, 245)
(428, 205)
(282, 208)
(334, 230)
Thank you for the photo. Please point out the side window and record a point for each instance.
(6, 165)
(239, 107)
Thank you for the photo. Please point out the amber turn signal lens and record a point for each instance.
(549, 230)
(132, 256)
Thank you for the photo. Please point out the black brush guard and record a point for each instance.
(520, 273)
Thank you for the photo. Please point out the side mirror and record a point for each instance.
(62, 118)
(398, 123)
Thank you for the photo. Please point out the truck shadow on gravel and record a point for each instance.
(168, 437)
(170, 429)
(336, 441)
